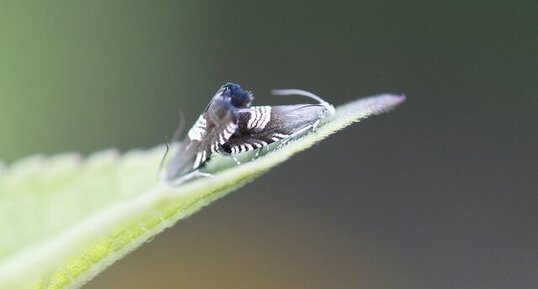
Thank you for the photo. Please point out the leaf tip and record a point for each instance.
(392, 99)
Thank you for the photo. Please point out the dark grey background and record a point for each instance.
(440, 193)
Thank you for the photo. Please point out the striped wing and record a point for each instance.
(260, 126)
(213, 128)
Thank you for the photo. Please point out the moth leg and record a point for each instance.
(236, 160)
(203, 174)
(258, 151)
(187, 177)
(315, 125)
(294, 135)
(257, 154)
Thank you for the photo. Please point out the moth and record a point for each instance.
(230, 125)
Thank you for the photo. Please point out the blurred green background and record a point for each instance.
(440, 193)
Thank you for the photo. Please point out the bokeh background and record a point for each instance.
(440, 193)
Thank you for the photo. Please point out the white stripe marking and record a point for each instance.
(266, 117)
(198, 129)
(252, 118)
(204, 153)
(197, 161)
(259, 116)
(248, 147)
(280, 135)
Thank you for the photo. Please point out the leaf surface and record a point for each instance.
(64, 219)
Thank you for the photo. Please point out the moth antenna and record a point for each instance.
(175, 137)
(161, 165)
(327, 105)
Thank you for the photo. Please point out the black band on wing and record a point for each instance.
(260, 126)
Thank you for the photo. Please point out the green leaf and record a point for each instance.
(64, 219)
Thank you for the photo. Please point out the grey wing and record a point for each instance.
(259, 126)
(183, 161)
(213, 128)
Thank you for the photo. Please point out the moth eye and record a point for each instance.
(238, 97)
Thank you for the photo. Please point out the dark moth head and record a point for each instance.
(237, 96)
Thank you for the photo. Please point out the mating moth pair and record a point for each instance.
(230, 125)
